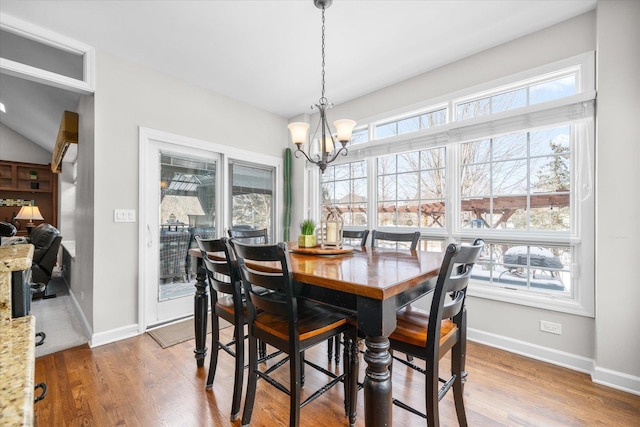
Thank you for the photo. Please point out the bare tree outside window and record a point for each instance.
(252, 196)
(344, 186)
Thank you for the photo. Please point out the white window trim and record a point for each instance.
(86, 86)
(577, 109)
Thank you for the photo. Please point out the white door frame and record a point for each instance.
(147, 137)
(151, 142)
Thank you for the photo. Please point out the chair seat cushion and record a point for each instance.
(412, 326)
(313, 320)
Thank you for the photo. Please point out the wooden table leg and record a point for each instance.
(200, 310)
(377, 383)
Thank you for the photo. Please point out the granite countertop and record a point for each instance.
(18, 346)
(15, 257)
(17, 364)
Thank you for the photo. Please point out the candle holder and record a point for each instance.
(332, 228)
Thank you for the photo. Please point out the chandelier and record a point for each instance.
(329, 150)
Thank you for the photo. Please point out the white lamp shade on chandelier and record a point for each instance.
(298, 132)
(344, 127)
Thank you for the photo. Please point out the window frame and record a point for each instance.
(575, 110)
(29, 31)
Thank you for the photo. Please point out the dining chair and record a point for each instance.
(227, 302)
(360, 235)
(260, 236)
(291, 325)
(412, 237)
(431, 335)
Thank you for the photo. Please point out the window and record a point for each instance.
(39, 55)
(252, 196)
(411, 189)
(344, 186)
(519, 181)
(359, 136)
(519, 175)
(539, 269)
(531, 93)
(412, 124)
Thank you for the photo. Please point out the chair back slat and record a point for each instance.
(250, 236)
(219, 275)
(357, 234)
(209, 245)
(413, 238)
(271, 302)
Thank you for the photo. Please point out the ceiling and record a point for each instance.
(267, 53)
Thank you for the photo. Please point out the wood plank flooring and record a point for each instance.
(135, 382)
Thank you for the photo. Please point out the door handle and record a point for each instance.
(149, 241)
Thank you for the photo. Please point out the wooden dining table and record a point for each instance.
(372, 282)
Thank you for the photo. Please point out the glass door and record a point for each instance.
(252, 197)
(180, 203)
(187, 209)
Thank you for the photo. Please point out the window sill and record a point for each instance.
(547, 302)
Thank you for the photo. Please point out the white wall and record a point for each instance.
(129, 96)
(16, 148)
(618, 197)
(82, 277)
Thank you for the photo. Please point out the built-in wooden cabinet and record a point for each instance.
(28, 183)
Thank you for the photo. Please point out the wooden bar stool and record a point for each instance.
(430, 336)
(290, 325)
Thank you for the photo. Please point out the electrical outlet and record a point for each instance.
(553, 328)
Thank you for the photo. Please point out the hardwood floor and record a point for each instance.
(135, 382)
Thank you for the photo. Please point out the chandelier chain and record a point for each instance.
(323, 100)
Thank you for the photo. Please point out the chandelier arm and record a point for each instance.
(342, 151)
(297, 154)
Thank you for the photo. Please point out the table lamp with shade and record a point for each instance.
(30, 213)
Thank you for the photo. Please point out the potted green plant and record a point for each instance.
(307, 237)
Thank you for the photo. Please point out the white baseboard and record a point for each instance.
(106, 337)
(617, 380)
(88, 331)
(613, 379)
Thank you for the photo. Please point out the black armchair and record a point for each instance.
(46, 240)
(7, 229)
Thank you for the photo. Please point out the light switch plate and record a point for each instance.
(124, 215)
